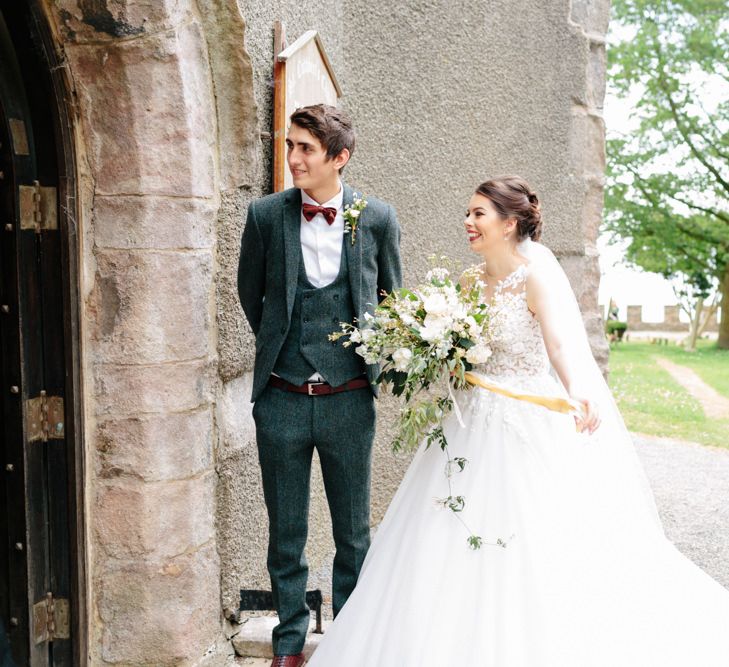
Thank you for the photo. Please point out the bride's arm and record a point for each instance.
(563, 349)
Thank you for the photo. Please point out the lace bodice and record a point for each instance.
(515, 334)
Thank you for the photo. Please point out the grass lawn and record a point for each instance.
(652, 402)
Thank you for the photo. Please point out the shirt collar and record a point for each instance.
(335, 202)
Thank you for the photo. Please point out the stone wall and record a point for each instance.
(671, 321)
(443, 95)
(173, 102)
(166, 127)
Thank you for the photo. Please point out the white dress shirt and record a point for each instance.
(321, 243)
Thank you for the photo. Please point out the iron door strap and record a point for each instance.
(19, 135)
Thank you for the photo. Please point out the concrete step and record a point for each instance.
(253, 640)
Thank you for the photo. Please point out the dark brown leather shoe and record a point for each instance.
(289, 661)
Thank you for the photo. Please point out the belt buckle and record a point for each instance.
(309, 386)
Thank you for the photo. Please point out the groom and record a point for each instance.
(302, 271)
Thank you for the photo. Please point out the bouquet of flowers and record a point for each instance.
(426, 340)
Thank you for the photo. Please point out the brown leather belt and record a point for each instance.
(317, 388)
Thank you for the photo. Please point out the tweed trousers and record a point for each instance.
(289, 427)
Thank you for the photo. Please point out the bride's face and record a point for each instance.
(485, 227)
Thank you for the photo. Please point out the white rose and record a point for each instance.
(478, 354)
(354, 213)
(435, 304)
(433, 329)
(402, 358)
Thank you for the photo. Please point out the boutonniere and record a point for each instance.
(351, 216)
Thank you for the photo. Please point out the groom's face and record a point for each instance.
(311, 167)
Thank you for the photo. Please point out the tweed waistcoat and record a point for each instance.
(316, 313)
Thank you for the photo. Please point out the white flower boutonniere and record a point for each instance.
(351, 216)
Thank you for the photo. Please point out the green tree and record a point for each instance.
(668, 180)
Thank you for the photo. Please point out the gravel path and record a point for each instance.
(691, 486)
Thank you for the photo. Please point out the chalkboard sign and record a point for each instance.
(303, 75)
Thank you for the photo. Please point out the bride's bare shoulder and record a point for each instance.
(537, 283)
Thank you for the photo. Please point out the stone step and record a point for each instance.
(253, 640)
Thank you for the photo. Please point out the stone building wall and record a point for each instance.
(671, 321)
(173, 106)
(443, 95)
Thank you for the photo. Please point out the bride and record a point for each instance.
(587, 577)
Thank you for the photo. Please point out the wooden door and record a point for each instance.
(35, 583)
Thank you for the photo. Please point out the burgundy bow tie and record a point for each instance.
(310, 210)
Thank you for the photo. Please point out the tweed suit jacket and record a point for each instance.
(269, 265)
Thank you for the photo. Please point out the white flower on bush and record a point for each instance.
(478, 354)
(402, 358)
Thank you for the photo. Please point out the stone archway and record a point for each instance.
(166, 126)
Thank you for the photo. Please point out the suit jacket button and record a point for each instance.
(306, 320)
(336, 296)
(283, 330)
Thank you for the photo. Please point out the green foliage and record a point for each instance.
(668, 182)
(615, 326)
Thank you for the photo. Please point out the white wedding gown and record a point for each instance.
(588, 579)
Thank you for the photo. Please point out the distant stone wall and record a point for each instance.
(671, 321)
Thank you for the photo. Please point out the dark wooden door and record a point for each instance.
(35, 585)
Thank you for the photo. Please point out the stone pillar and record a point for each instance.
(148, 152)
(590, 18)
(635, 318)
(671, 319)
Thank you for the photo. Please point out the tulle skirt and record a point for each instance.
(587, 578)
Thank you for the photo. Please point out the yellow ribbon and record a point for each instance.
(555, 403)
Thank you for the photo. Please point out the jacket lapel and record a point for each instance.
(292, 245)
(354, 256)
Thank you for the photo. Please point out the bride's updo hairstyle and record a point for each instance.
(513, 198)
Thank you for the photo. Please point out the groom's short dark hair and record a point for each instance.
(331, 126)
